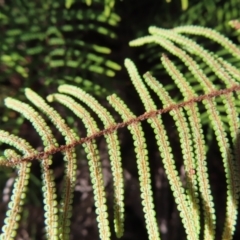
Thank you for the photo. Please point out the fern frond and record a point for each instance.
(20, 186)
(215, 15)
(94, 161)
(190, 134)
(186, 146)
(226, 77)
(49, 143)
(230, 171)
(196, 49)
(165, 151)
(197, 132)
(113, 146)
(211, 34)
(234, 72)
(230, 165)
(70, 159)
(143, 166)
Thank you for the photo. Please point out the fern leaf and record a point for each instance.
(165, 151)
(70, 158)
(20, 185)
(211, 34)
(143, 167)
(229, 164)
(186, 145)
(49, 141)
(94, 161)
(224, 76)
(194, 116)
(113, 146)
(232, 177)
(194, 48)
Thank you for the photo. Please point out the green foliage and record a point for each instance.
(44, 44)
(143, 166)
(57, 43)
(47, 44)
(189, 198)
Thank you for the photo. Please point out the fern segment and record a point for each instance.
(20, 185)
(229, 163)
(186, 145)
(94, 162)
(113, 146)
(165, 152)
(211, 34)
(70, 158)
(225, 76)
(230, 170)
(232, 178)
(143, 167)
(194, 49)
(197, 132)
(49, 185)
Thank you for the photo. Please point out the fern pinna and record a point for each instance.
(191, 197)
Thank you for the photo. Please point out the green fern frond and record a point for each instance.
(199, 75)
(113, 146)
(165, 152)
(94, 161)
(109, 4)
(143, 166)
(200, 152)
(70, 159)
(230, 165)
(49, 143)
(235, 51)
(13, 215)
(47, 41)
(215, 14)
(186, 146)
(193, 48)
(211, 34)
(17, 198)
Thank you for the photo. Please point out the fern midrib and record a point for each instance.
(115, 127)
